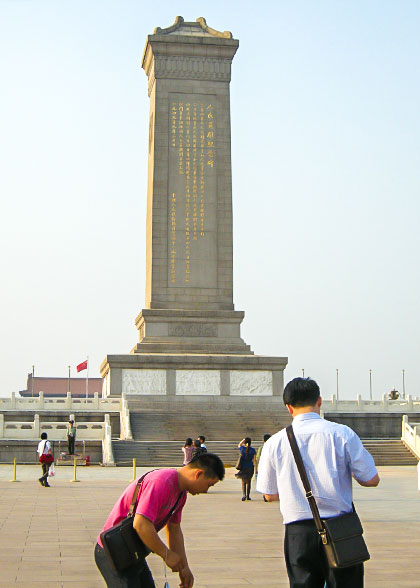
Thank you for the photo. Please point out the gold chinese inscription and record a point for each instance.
(193, 142)
(173, 236)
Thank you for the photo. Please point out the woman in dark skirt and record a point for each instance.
(247, 465)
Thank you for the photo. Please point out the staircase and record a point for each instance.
(225, 426)
(389, 452)
(158, 436)
(166, 453)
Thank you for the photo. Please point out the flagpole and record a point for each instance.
(87, 376)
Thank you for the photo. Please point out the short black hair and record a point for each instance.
(197, 443)
(210, 463)
(44, 436)
(266, 437)
(301, 392)
(188, 442)
(202, 438)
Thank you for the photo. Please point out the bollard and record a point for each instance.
(134, 469)
(74, 472)
(14, 471)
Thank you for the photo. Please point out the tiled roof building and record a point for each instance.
(58, 387)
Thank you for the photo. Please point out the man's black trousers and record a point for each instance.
(70, 444)
(307, 564)
(134, 577)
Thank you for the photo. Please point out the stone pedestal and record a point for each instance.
(189, 332)
(193, 375)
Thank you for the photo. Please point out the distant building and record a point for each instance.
(58, 387)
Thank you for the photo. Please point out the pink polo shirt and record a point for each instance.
(158, 494)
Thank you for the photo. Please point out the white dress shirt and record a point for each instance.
(330, 452)
(43, 447)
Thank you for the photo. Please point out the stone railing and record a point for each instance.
(408, 404)
(107, 453)
(56, 431)
(125, 425)
(410, 435)
(65, 403)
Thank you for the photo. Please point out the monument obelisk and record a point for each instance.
(189, 332)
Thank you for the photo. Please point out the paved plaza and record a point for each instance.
(47, 535)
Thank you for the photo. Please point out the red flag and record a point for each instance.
(82, 366)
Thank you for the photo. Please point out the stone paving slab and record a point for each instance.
(47, 535)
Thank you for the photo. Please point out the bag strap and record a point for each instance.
(136, 493)
(303, 476)
(133, 504)
(172, 510)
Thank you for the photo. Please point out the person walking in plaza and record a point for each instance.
(162, 497)
(45, 458)
(258, 456)
(71, 437)
(198, 449)
(331, 454)
(247, 465)
(202, 440)
(260, 448)
(188, 451)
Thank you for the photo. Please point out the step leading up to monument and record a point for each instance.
(214, 426)
(166, 453)
(390, 452)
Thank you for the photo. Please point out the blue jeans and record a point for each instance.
(134, 577)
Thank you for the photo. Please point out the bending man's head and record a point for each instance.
(201, 473)
(210, 463)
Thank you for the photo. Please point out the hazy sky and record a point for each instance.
(325, 146)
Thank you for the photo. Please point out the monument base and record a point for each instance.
(158, 374)
(190, 331)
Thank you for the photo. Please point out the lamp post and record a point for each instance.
(68, 387)
(403, 374)
(32, 382)
(337, 381)
(370, 384)
(303, 372)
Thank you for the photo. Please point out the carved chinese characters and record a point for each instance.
(192, 190)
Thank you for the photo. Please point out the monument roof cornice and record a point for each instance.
(197, 28)
(190, 39)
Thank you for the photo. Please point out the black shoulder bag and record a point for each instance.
(341, 536)
(122, 544)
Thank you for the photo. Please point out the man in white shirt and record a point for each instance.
(332, 454)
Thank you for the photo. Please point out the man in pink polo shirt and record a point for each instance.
(160, 491)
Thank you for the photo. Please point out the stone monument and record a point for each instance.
(189, 332)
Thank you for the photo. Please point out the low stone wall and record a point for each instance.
(56, 430)
(401, 405)
(410, 435)
(371, 425)
(27, 417)
(40, 402)
(53, 420)
(25, 451)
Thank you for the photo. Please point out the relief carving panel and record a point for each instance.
(192, 330)
(143, 381)
(198, 382)
(251, 383)
(195, 68)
